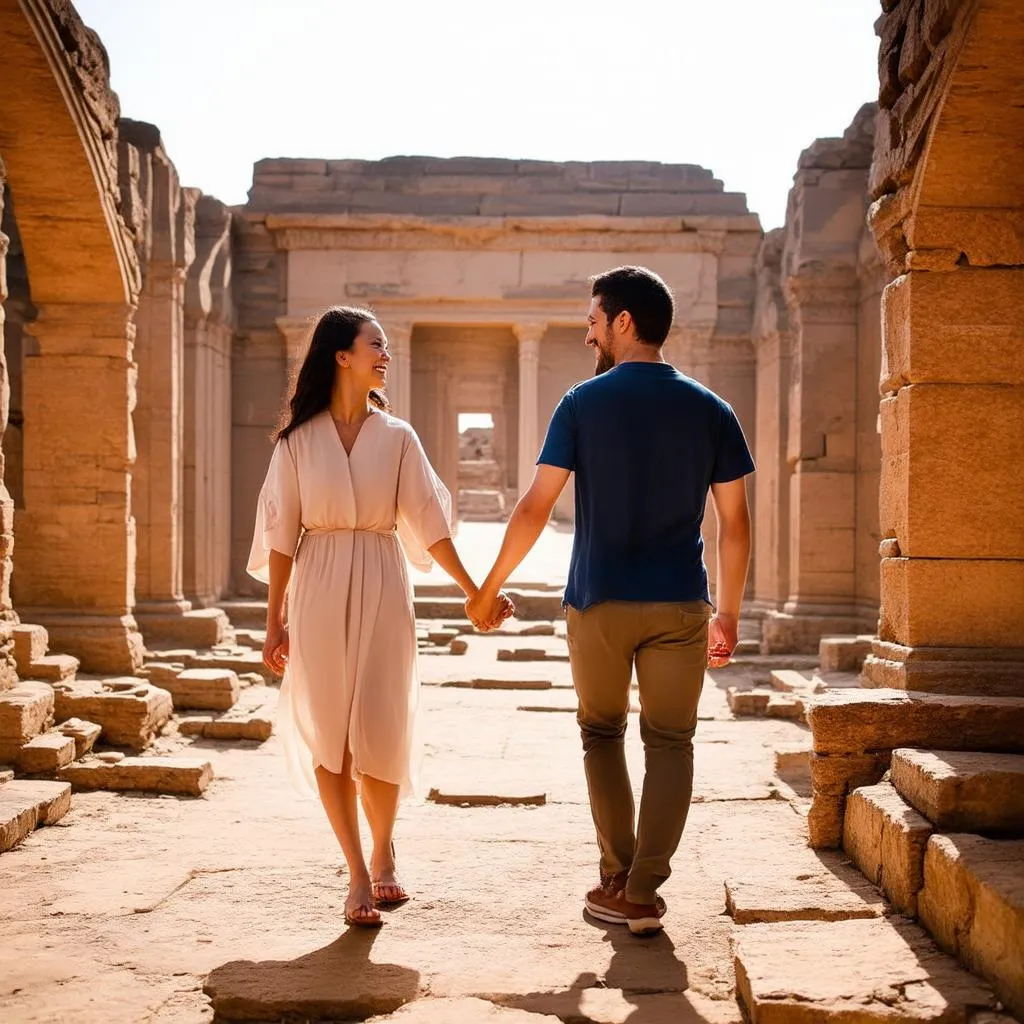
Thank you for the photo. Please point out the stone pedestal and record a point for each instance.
(76, 535)
(529, 336)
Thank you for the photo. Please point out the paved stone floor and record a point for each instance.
(159, 909)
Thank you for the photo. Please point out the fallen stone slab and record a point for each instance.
(131, 711)
(318, 986)
(250, 661)
(844, 721)
(500, 684)
(787, 680)
(963, 791)
(886, 838)
(529, 654)
(793, 759)
(785, 705)
(818, 896)
(747, 702)
(26, 710)
(46, 753)
(26, 805)
(85, 734)
(866, 971)
(31, 642)
(462, 1010)
(246, 614)
(205, 689)
(436, 796)
(255, 725)
(178, 775)
(458, 646)
(442, 637)
(52, 668)
(161, 672)
(200, 627)
(973, 903)
(843, 653)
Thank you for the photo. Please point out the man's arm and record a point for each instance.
(733, 547)
(525, 525)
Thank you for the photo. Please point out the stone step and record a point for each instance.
(204, 689)
(963, 791)
(886, 838)
(31, 643)
(26, 805)
(178, 775)
(860, 971)
(85, 734)
(26, 710)
(53, 668)
(846, 721)
(46, 753)
(130, 710)
(787, 680)
(201, 627)
(843, 653)
(973, 903)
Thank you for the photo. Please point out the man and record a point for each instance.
(646, 444)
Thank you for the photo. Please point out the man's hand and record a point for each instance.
(275, 650)
(723, 635)
(487, 612)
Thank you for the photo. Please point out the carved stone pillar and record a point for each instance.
(528, 335)
(76, 530)
(296, 332)
(8, 671)
(822, 457)
(399, 389)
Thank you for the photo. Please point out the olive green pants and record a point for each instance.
(667, 643)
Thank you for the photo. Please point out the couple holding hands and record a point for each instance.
(350, 496)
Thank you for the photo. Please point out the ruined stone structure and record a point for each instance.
(817, 339)
(478, 270)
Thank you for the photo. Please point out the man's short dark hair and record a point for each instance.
(642, 294)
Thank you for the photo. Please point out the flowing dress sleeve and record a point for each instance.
(278, 513)
(424, 505)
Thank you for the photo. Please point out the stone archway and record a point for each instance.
(76, 544)
(949, 215)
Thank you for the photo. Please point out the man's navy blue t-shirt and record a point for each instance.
(646, 443)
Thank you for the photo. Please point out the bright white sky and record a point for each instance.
(739, 86)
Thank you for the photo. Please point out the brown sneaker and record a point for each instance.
(614, 908)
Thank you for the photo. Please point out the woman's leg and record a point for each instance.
(338, 795)
(380, 802)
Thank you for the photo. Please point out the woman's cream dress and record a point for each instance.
(351, 675)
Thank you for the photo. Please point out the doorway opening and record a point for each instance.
(481, 477)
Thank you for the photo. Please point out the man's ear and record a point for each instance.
(624, 322)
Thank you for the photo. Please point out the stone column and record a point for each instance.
(952, 514)
(8, 618)
(528, 335)
(296, 332)
(399, 389)
(822, 458)
(76, 530)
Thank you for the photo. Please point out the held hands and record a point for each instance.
(275, 650)
(723, 635)
(488, 612)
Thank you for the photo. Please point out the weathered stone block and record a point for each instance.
(963, 791)
(130, 710)
(973, 903)
(442, 637)
(53, 668)
(30, 644)
(783, 633)
(885, 837)
(25, 805)
(844, 721)
(868, 971)
(25, 711)
(832, 778)
(843, 653)
(747, 702)
(201, 627)
(211, 689)
(256, 725)
(787, 680)
(184, 776)
(458, 646)
(785, 705)
(85, 734)
(46, 753)
(991, 671)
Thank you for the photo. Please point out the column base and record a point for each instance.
(166, 624)
(104, 644)
(969, 671)
(801, 632)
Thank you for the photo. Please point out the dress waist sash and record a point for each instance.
(319, 530)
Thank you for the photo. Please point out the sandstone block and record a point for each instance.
(785, 705)
(843, 653)
(25, 711)
(747, 702)
(533, 605)
(182, 776)
(885, 837)
(867, 971)
(790, 681)
(481, 799)
(832, 778)
(30, 644)
(25, 805)
(6, 774)
(845, 721)
(442, 637)
(54, 667)
(973, 903)
(46, 753)
(529, 654)
(204, 689)
(538, 629)
(793, 758)
(130, 710)
(161, 672)
(500, 684)
(458, 646)
(256, 725)
(963, 791)
(85, 734)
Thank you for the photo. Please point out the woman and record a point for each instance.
(347, 484)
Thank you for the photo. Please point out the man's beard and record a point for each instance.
(605, 359)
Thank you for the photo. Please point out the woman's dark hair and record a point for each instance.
(643, 295)
(335, 332)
